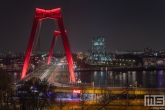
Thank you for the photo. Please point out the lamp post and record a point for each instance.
(140, 94)
(136, 89)
(72, 98)
(140, 89)
(106, 77)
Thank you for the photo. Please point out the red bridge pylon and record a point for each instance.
(55, 14)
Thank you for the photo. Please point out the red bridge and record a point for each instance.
(40, 15)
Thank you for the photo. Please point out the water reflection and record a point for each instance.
(160, 79)
(150, 79)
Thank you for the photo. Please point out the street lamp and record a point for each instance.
(106, 77)
(136, 89)
(140, 89)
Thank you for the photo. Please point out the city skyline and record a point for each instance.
(125, 25)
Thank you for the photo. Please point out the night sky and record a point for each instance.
(125, 25)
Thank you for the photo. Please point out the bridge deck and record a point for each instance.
(55, 74)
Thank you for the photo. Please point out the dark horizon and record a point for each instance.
(125, 25)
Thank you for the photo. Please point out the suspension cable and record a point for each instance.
(37, 37)
(62, 47)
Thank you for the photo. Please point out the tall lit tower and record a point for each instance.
(98, 50)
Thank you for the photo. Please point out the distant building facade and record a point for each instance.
(13, 62)
(153, 61)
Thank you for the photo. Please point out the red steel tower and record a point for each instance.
(56, 34)
(55, 14)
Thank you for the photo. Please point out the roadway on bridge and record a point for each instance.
(56, 74)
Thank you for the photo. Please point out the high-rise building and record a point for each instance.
(98, 50)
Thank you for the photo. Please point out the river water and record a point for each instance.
(145, 79)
